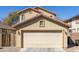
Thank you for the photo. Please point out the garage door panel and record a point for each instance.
(42, 40)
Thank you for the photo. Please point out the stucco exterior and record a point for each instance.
(29, 20)
(34, 25)
(31, 13)
(74, 29)
(74, 25)
(27, 15)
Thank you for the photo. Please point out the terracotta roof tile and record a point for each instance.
(19, 12)
(40, 14)
(45, 10)
(4, 26)
(53, 19)
(72, 18)
(75, 36)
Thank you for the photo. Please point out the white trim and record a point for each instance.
(20, 17)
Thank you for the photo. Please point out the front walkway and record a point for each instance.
(72, 49)
(9, 49)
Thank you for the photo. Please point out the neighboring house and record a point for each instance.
(6, 35)
(39, 28)
(74, 27)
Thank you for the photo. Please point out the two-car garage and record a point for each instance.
(30, 34)
(46, 39)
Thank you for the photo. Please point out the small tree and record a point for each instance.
(11, 19)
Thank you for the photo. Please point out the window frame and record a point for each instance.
(42, 23)
(22, 17)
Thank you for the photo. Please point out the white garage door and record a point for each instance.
(42, 40)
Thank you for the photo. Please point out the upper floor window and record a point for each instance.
(77, 21)
(42, 23)
(23, 17)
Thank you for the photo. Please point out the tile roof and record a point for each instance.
(35, 9)
(19, 12)
(41, 15)
(45, 10)
(72, 18)
(75, 36)
(4, 26)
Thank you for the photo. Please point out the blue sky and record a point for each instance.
(63, 12)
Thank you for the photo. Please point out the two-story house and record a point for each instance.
(74, 27)
(40, 28)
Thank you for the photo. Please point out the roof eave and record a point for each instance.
(72, 18)
(61, 22)
(45, 10)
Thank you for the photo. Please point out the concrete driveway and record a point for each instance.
(14, 49)
(9, 49)
(42, 50)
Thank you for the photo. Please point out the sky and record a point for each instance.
(62, 12)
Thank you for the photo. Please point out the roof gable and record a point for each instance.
(27, 9)
(36, 10)
(41, 15)
(5, 26)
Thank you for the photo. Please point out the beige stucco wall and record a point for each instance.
(34, 25)
(74, 25)
(30, 13)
